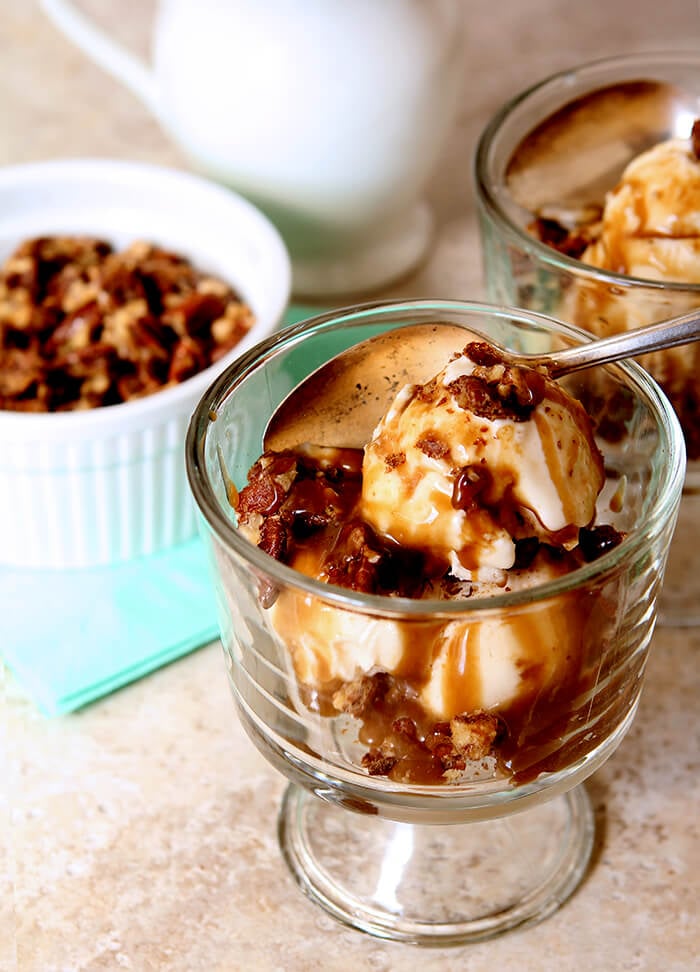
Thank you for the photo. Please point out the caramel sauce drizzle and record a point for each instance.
(309, 500)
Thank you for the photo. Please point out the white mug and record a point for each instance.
(328, 114)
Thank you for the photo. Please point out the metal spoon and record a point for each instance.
(627, 344)
(341, 402)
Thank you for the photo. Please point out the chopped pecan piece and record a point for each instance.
(395, 460)
(273, 538)
(433, 446)
(377, 763)
(571, 241)
(474, 734)
(361, 694)
(695, 138)
(495, 389)
(19, 370)
(269, 482)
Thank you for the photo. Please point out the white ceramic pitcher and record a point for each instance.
(328, 114)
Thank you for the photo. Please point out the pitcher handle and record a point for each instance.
(99, 47)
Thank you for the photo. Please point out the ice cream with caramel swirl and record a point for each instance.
(479, 457)
(649, 230)
(484, 480)
(650, 226)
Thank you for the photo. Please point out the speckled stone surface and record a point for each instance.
(140, 833)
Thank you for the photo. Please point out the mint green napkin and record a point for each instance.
(71, 637)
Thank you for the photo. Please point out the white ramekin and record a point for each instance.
(97, 487)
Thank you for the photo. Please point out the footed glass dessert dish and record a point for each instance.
(412, 813)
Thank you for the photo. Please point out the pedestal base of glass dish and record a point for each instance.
(679, 601)
(437, 884)
(375, 262)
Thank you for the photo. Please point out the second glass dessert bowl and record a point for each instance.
(508, 839)
(543, 166)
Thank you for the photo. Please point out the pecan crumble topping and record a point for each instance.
(83, 326)
(301, 506)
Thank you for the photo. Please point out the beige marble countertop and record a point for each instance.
(140, 833)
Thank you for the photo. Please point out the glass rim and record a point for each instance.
(667, 493)
(485, 186)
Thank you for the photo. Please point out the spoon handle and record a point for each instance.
(627, 344)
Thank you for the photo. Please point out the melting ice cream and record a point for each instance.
(482, 481)
(649, 229)
(483, 455)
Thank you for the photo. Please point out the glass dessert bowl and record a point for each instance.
(412, 813)
(586, 189)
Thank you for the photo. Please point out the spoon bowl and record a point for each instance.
(565, 165)
(341, 402)
(566, 140)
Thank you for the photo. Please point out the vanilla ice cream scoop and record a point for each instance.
(651, 220)
(498, 663)
(481, 481)
(650, 230)
(482, 455)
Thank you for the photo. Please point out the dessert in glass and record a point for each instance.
(436, 576)
(588, 187)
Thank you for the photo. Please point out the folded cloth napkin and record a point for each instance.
(70, 637)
